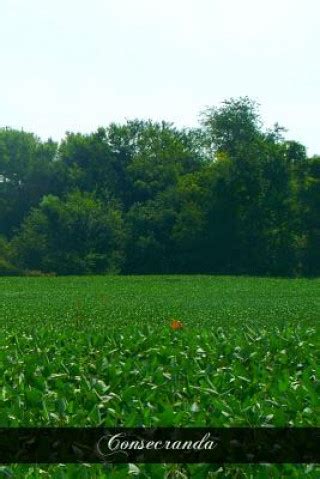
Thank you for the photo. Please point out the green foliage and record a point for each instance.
(229, 197)
(232, 126)
(309, 196)
(89, 351)
(26, 174)
(6, 266)
(7, 269)
(162, 154)
(89, 164)
(74, 236)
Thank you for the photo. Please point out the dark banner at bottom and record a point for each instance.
(159, 445)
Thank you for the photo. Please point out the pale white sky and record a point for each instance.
(77, 64)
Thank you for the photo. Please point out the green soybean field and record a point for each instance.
(101, 351)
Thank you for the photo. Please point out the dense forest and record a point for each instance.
(229, 197)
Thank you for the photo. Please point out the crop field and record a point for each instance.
(90, 351)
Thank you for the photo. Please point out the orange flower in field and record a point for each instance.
(175, 324)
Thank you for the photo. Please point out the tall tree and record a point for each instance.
(250, 206)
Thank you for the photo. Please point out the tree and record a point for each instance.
(149, 244)
(161, 155)
(232, 126)
(6, 266)
(73, 236)
(309, 203)
(249, 211)
(26, 170)
(89, 164)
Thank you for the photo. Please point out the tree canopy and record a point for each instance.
(229, 197)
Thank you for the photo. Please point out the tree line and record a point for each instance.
(228, 197)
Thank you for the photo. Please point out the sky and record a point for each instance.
(74, 65)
